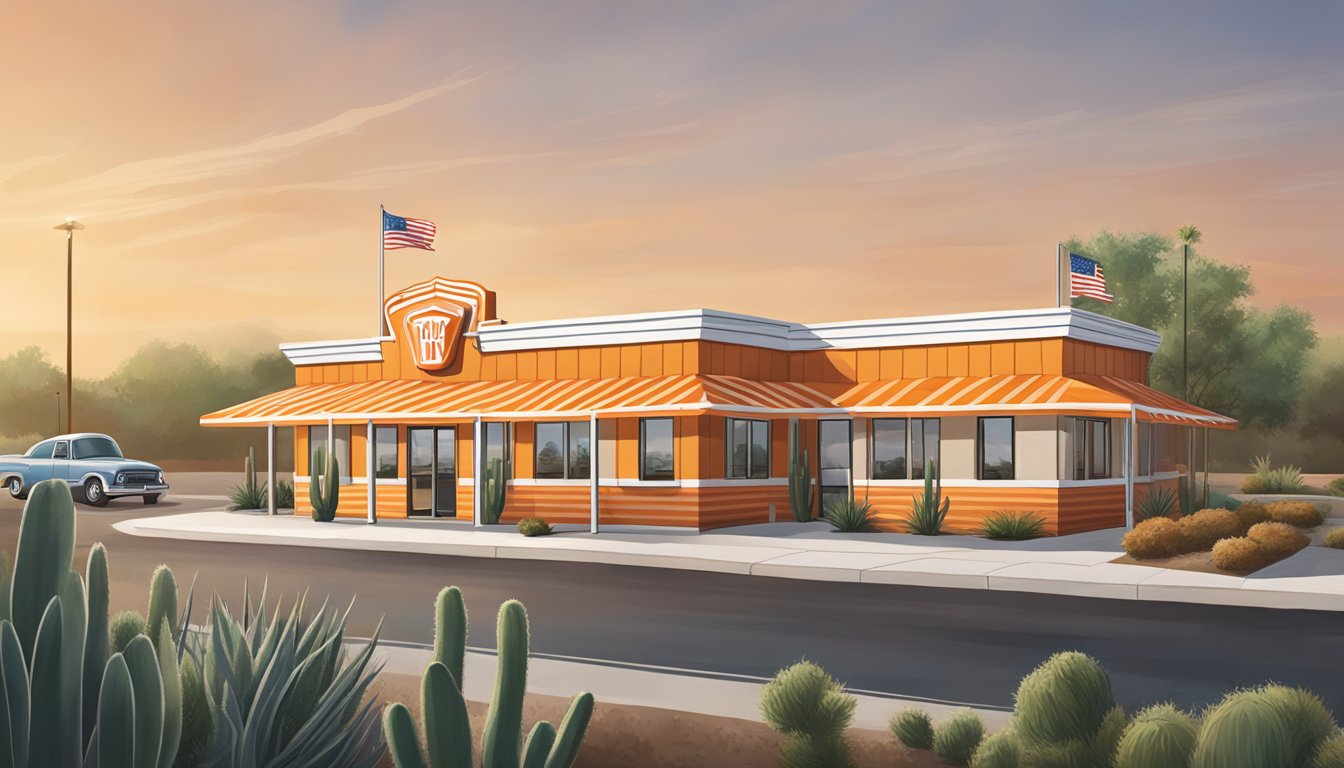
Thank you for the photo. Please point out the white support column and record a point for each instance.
(270, 469)
(1129, 468)
(478, 470)
(592, 472)
(372, 473)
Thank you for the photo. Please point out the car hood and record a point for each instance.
(134, 464)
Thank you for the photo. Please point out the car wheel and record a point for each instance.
(16, 488)
(151, 498)
(94, 493)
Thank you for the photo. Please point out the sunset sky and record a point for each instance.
(807, 161)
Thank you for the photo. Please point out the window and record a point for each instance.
(748, 442)
(1091, 449)
(562, 451)
(497, 445)
(1145, 448)
(889, 444)
(924, 445)
(41, 450)
(656, 449)
(996, 448)
(385, 452)
(61, 451)
(96, 448)
(836, 458)
(317, 438)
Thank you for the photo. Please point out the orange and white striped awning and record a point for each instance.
(1033, 393)
(417, 400)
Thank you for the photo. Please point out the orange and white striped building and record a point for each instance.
(692, 412)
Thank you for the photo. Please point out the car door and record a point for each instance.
(38, 464)
(60, 460)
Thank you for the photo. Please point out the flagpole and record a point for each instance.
(382, 225)
(1059, 275)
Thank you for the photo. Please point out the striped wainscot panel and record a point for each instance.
(556, 504)
(354, 500)
(723, 506)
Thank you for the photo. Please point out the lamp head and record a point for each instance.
(69, 225)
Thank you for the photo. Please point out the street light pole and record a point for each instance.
(69, 226)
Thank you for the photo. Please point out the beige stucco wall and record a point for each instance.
(860, 450)
(958, 448)
(1036, 447)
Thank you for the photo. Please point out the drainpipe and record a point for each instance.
(594, 448)
(373, 488)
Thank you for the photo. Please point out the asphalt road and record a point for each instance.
(965, 646)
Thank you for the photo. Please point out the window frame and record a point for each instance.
(905, 447)
(1083, 427)
(980, 447)
(751, 425)
(566, 438)
(344, 461)
(916, 471)
(643, 449)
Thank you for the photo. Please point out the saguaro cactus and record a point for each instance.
(162, 603)
(447, 726)
(495, 486)
(450, 632)
(800, 479)
(324, 486)
(42, 559)
(95, 635)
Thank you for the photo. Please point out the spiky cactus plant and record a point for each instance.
(800, 480)
(495, 487)
(162, 603)
(928, 512)
(448, 742)
(324, 487)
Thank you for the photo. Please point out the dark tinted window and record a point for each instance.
(41, 450)
(580, 462)
(550, 451)
(748, 449)
(889, 449)
(924, 445)
(385, 452)
(96, 448)
(996, 448)
(61, 451)
(656, 450)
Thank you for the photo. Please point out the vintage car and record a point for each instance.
(91, 463)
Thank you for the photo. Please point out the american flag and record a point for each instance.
(405, 232)
(1086, 279)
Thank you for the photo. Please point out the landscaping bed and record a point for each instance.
(1239, 542)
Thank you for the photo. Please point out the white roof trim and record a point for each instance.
(368, 350)
(732, 328)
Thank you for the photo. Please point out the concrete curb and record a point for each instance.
(1312, 579)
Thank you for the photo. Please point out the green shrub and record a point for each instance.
(1330, 754)
(1160, 736)
(849, 515)
(1065, 713)
(809, 706)
(1266, 478)
(1335, 538)
(913, 728)
(998, 750)
(1012, 526)
(1335, 487)
(1159, 502)
(1270, 727)
(955, 741)
(123, 629)
(284, 494)
(534, 526)
(929, 510)
(1299, 514)
(1223, 501)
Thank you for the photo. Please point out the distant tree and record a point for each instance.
(1322, 410)
(1245, 362)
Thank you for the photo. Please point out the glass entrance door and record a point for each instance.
(433, 471)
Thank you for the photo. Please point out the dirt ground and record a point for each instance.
(626, 736)
(1195, 561)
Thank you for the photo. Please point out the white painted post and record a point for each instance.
(594, 448)
(372, 472)
(1129, 468)
(270, 469)
(478, 469)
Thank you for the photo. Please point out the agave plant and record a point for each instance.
(279, 689)
(1158, 503)
(250, 494)
(929, 510)
(849, 515)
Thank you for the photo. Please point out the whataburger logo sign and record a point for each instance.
(431, 317)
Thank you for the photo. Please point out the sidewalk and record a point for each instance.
(1078, 565)
(736, 696)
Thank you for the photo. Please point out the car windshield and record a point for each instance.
(96, 448)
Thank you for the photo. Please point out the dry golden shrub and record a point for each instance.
(1300, 514)
(1280, 539)
(1158, 537)
(1240, 554)
(1199, 531)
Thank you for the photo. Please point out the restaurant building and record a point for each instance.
(685, 419)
